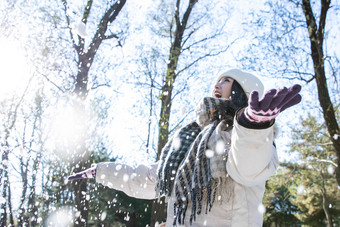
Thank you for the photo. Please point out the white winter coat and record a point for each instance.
(252, 160)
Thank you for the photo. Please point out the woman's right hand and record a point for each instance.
(163, 224)
(88, 173)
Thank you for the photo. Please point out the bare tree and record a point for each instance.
(316, 37)
(180, 24)
(86, 56)
(8, 125)
(183, 39)
(292, 42)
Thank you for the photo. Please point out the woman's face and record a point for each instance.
(223, 88)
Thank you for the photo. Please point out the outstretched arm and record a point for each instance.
(253, 157)
(138, 182)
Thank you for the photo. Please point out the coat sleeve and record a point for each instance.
(138, 182)
(252, 156)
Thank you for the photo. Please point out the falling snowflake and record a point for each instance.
(103, 216)
(4, 163)
(80, 29)
(133, 176)
(183, 110)
(330, 169)
(61, 217)
(300, 189)
(209, 153)
(4, 148)
(125, 177)
(220, 147)
(261, 209)
(176, 143)
(127, 217)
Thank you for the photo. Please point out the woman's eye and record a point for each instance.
(224, 80)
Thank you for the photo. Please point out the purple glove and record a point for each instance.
(88, 173)
(273, 102)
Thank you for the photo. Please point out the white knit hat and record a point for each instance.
(248, 82)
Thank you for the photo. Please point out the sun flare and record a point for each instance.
(14, 69)
(68, 131)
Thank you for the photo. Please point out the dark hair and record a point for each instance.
(238, 96)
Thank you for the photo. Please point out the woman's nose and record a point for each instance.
(217, 85)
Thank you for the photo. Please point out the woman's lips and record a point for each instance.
(217, 94)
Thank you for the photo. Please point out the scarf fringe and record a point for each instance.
(223, 187)
(184, 166)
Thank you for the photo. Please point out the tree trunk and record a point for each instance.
(81, 162)
(85, 60)
(159, 208)
(316, 36)
(4, 181)
(3, 207)
(11, 218)
(32, 207)
(326, 210)
(22, 209)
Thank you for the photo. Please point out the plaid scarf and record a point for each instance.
(184, 165)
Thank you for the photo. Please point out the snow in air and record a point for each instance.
(261, 209)
(300, 189)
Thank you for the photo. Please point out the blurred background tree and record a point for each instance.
(293, 39)
(305, 192)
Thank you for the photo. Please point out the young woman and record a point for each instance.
(213, 170)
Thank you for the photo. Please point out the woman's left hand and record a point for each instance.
(273, 102)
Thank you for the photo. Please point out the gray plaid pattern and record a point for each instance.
(169, 161)
(184, 166)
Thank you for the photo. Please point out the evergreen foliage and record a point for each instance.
(305, 192)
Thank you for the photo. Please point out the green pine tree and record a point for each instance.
(305, 192)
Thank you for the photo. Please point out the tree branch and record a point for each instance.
(69, 26)
(87, 11)
(59, 88)
(206, 55)
(322, 22)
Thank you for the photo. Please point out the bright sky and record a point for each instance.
(14, 68)
(125, 128)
